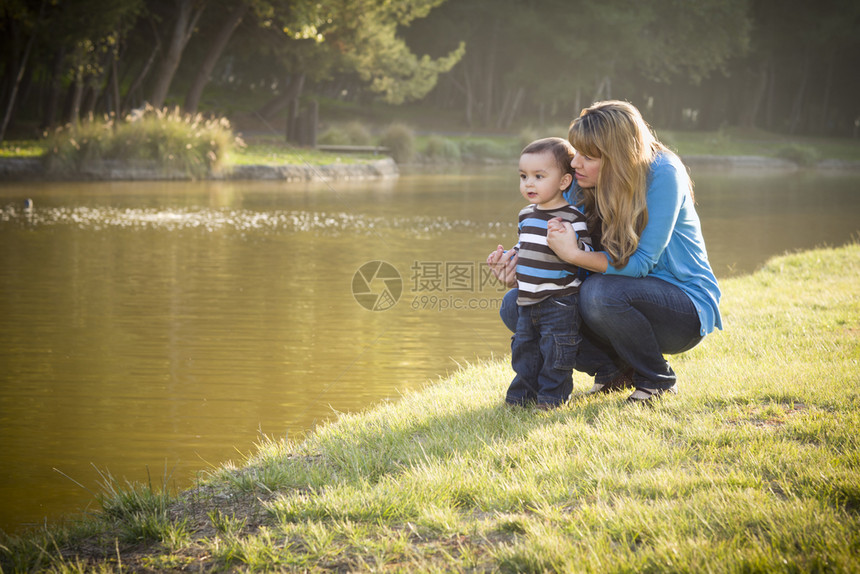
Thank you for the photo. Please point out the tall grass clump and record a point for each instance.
(166, 139)
(140, 512)
(442, 149)
(530, 134)
(400, 141)
(350, 133)
(483, 149)
(802, 155)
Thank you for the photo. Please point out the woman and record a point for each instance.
(652, 290)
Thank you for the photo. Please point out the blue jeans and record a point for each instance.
(628, 322)
(543, 351)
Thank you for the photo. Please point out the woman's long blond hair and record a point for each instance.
(616, 132)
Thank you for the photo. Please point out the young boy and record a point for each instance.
(545, 344)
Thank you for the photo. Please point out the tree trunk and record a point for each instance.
(470, 97)
(77, 95)
(7, 117)
(138, 81)
(490, 73)
(771, 99)
(293, 87)
(95, 86)
(605, 85)
(114, 84)
(797, 107)
(750, 113)
(828, 84)
(186, 20)
(216, 48)
(296, 87)
(510, 107)
(274, 106)
(53, 101)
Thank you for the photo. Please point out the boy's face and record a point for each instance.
(542, 181)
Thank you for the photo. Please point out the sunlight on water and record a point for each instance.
(222, 219)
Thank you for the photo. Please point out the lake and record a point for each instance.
(151, 331)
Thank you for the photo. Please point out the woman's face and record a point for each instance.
(587, 169)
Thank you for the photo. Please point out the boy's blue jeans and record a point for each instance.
(543, 351)
(628, 322)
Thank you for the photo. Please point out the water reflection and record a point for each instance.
(158, 328)
(749, 216)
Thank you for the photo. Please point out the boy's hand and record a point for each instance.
(503, 264)
(558, 225)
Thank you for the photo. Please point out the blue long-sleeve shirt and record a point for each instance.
(671, 247)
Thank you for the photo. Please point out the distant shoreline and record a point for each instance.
(762, 162)
(32, 169)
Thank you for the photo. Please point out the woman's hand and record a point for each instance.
(503, 264)
(562, 239)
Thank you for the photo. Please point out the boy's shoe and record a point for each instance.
(619, 383)
(643, 395)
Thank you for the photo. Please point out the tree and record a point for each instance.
(798, 74)
(569, 52)
(785, 66)
(312, 41)
(369, 41)
(216, 48)
(74, 42)
(16, 12)
(185, 17)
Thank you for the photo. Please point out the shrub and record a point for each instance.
(333, 136)
(527, 136)
(482, 149)
(440, 148)
(357, 134)
(668, 139)
(351, 133)
(191, 144)
(802, 155)
(400, 141)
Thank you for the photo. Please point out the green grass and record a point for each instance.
(282, 154)
(737, 141)
(753, 467)
(23, 148)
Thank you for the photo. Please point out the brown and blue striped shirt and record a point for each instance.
(541, 274)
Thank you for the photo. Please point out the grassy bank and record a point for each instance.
(753, 467)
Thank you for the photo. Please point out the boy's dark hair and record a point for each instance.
(560, 149)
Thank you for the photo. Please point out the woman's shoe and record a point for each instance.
(619, 383)
(643, 395)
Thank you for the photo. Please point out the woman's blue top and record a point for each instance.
(671, 247)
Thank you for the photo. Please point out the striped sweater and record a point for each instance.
(540, 273)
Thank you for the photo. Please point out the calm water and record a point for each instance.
(157, 329)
